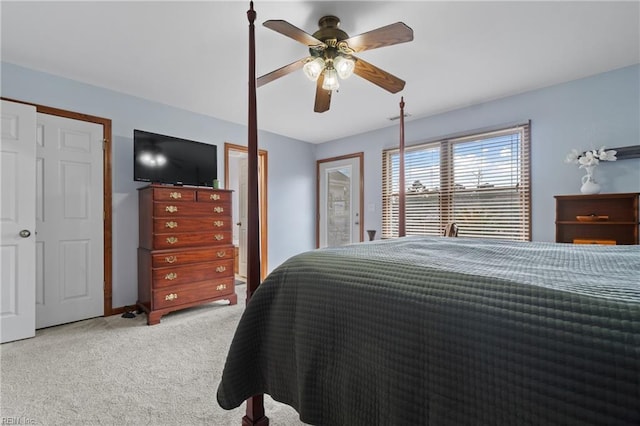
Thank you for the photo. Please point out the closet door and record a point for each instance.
(17, 221)
(69, 219)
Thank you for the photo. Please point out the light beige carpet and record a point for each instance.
(119, 371)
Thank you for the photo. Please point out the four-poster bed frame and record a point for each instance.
(255, 414)
(435, 330)
(255, 405)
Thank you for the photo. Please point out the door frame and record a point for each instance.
(357, 155)
(106, 192)
(262, 183)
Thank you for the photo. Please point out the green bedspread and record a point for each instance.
(445, 331)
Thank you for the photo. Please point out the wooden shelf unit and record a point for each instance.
(621, 226)
(185, 253)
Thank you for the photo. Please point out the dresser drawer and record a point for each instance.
(176, 209)
(176, 240)
(593, 241)
(186, 256)
(174, 194)
(208, 196)
(180, 295)
(191, 224)
(187, 274)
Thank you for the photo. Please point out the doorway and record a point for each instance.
(235, 178)
(340, 185)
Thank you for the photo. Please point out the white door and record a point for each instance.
(69, 220)
(243, 210)
(17, 221)
(340, 192)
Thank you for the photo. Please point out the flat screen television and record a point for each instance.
(170, 160)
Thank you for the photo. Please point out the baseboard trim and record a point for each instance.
(122, 310)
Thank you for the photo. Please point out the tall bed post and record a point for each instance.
(255, 405)
(401, 183)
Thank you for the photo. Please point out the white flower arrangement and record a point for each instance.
(590, 158)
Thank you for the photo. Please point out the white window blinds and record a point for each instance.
(479, 181)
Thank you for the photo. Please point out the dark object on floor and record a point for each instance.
(128, 315)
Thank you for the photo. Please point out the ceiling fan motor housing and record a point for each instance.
(329, 34)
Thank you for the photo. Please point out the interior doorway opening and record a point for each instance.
(235, 179)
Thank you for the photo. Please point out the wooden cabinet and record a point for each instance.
(597, 219)
(185, 253)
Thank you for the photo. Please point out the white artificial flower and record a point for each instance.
(572, 157)
(590, 158)
(608, 155)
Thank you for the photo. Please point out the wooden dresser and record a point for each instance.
(597, 219)
(185, 253)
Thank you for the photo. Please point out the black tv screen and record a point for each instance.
(170, 160)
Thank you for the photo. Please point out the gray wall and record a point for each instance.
(291, 164)
(582, 114)
(591, 112)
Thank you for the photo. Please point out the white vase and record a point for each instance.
(589, 185)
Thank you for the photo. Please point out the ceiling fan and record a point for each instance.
(332, 55)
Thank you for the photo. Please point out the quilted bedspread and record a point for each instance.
(445, 331)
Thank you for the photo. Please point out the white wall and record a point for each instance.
(595, 111)
(291, 164)
(582, 114)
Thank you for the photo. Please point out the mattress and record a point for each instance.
(445, 331)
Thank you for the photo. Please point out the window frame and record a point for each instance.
(446, 190)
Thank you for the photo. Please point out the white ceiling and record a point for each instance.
(194, 55)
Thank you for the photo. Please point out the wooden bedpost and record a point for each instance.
(255, 415)
(401, 183)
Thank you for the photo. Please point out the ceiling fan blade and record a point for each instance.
(377, 76)
(383, 36)
(323, 97)
(280, 72)
(285, 28)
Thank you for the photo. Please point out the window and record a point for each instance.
(479, 181)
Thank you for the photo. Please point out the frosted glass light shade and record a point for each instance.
(313, 69)
(330, 79)
(344, 66)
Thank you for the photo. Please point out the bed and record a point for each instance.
(436, 330)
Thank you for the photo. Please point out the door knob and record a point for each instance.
(25, 233)
(239, 224)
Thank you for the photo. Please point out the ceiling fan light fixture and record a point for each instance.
(330, 79)
(312, 69)
(152, 159)
(344, 66)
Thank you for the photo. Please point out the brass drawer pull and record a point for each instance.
(218, 237)
(171, 209)
(221, 269)
(218, 223)
(172, 240)
(171, 259)
(221, 287)
(175, 195)
(221, 253)
(171, 276)
(214, 196)
(218, 209)
(171, 296)
(171, 224)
